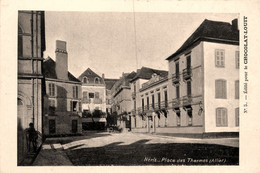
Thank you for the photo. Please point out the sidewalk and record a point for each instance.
(52, 155)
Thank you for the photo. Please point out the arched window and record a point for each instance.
(20, 42)
(85, 80)
(97, 81)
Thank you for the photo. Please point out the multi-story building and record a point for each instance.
(122, 105)
(63, 95)
(138, 92)
(109, 84)
(204, 80)
(154, 104)
(31, 44)
(93, 100)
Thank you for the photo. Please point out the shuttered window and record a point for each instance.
(220, 58)
(221, 117)
(237, 89)
(237, 59)
(177, 69)
(85, 96)
(237, 116)
(75, 91)
(188, 88)
(51, 89)
(220, 89)
(177, 91)
(147, 99)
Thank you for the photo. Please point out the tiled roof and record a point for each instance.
(49, 70)
(146, 73)
(211, 31)
(110, 82)
(91, 75)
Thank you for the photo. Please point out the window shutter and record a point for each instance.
(237, 116)
(85, 95)
(236, 89)
(71, 106)
(224, 89)
(80, 107)
(97, 95)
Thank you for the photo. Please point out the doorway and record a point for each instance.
(74, 126)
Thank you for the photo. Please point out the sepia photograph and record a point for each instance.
(119, 88)
(129, 85)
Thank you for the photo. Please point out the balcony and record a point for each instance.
(176, 103)
(175, 78)
(187, 100)
(187, 73)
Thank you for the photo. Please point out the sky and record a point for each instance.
(117, 42)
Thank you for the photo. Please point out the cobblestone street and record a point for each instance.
(137, 149)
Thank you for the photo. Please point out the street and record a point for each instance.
(137, 149)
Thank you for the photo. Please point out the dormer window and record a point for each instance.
(97, 81)
(85, 80)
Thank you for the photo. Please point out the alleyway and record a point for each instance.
(137, 149)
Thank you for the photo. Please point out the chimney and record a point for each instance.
(235, 24)
(61, 60)
(103, 76)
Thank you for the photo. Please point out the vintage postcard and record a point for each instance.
(151, 85)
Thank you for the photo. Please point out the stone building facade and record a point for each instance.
(63, 95)
(93, 100)
(31, 44)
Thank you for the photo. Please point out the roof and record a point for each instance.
(91, 75)
(110, 82)
(146, 73)
(49, 70)
(209, 30)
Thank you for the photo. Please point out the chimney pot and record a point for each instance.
(235, 24)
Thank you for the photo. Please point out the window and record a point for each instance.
(147, 99)
(97, 80)
(188, 64)
(73, 106)
(220, 58)
(188, 88)
(20, 42)
(75, 91)
(237, 116)
(177, 69)
(159, 100)
(152, 101)
(237, 89)
(166, 98)
(85, 80)
(91, 95)
(178, 116)
(51, 89)
(85, 96)
(220, 89)
(52, 103)
(237, 59)
(189, 117)
(221, 117)
(177, 91)
(80, 106)
(142, 104)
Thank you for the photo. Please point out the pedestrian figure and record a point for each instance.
(32, 136)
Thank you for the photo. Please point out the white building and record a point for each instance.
(204, 80)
